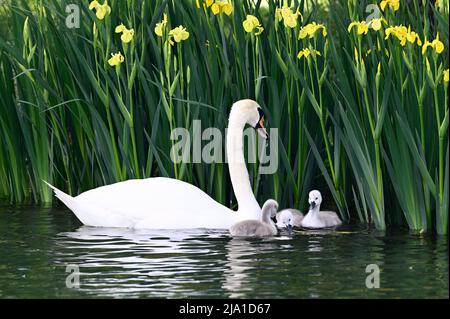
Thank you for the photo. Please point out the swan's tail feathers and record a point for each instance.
(68, 200)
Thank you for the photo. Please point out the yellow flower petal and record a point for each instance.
(179, 34)
(101, 10)
(116, 59)
(376, 24)
(227, 9)
(438, 46)
(351, 25)
(94, 4)
(120, 28)
(252, 22)
(127, 35)
(215, 8)
(393, 4)
(248, 26)
(259, 30)
(446, 75)
(302, 34)
(160, 26)
(425, 46)
(291, 21)
(209, 3)
(362, 28)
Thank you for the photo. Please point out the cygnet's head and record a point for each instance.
(249, 112)
(314, 199)
(285, 220)
(270, 208)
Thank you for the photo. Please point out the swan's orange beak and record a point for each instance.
(261, 128)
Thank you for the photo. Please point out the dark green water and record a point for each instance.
(36, 246)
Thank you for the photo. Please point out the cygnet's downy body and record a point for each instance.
(297, 216)
(316, 218)
(258, 228)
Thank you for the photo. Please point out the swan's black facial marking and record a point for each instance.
(274, 219)
(260, 123)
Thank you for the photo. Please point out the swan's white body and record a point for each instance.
(158, 203)
(166, 203)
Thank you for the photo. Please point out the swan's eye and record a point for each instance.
(317, 198)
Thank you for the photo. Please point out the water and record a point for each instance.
(37, 245)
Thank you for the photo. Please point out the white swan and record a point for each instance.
(297, 216)
(258, 228)
(316, 218)
(140, 203)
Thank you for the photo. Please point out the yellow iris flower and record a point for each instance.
(362, 27)
(393, 4)
(403, 34)
(436, 44)
(101, 10)
(160, 26)
(179, 33)
(116, 59)
(127, 35)
(376, 24)
(412, 37)
(288, 16)
(252, 23)
(215, 8)
(306, 53)
(222, 6)
(310, 30)
(446, 75)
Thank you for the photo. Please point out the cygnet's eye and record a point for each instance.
(317, 198)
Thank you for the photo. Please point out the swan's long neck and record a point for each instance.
(315, 210)
(266, 215)
(247, 204)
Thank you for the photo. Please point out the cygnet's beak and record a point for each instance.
(289, 227)
(312, 205)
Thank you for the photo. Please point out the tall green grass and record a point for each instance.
(369, 129)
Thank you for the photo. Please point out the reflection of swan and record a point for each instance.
(258, 228)
(141, 263)
(242, 259)
(165, 203)
(317, 218)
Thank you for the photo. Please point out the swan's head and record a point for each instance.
(285, 220)
(270, 208)
(249, 112)
(314, 199)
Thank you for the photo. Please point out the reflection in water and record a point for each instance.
(125, 262)
(242, 257)
(36, 246)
